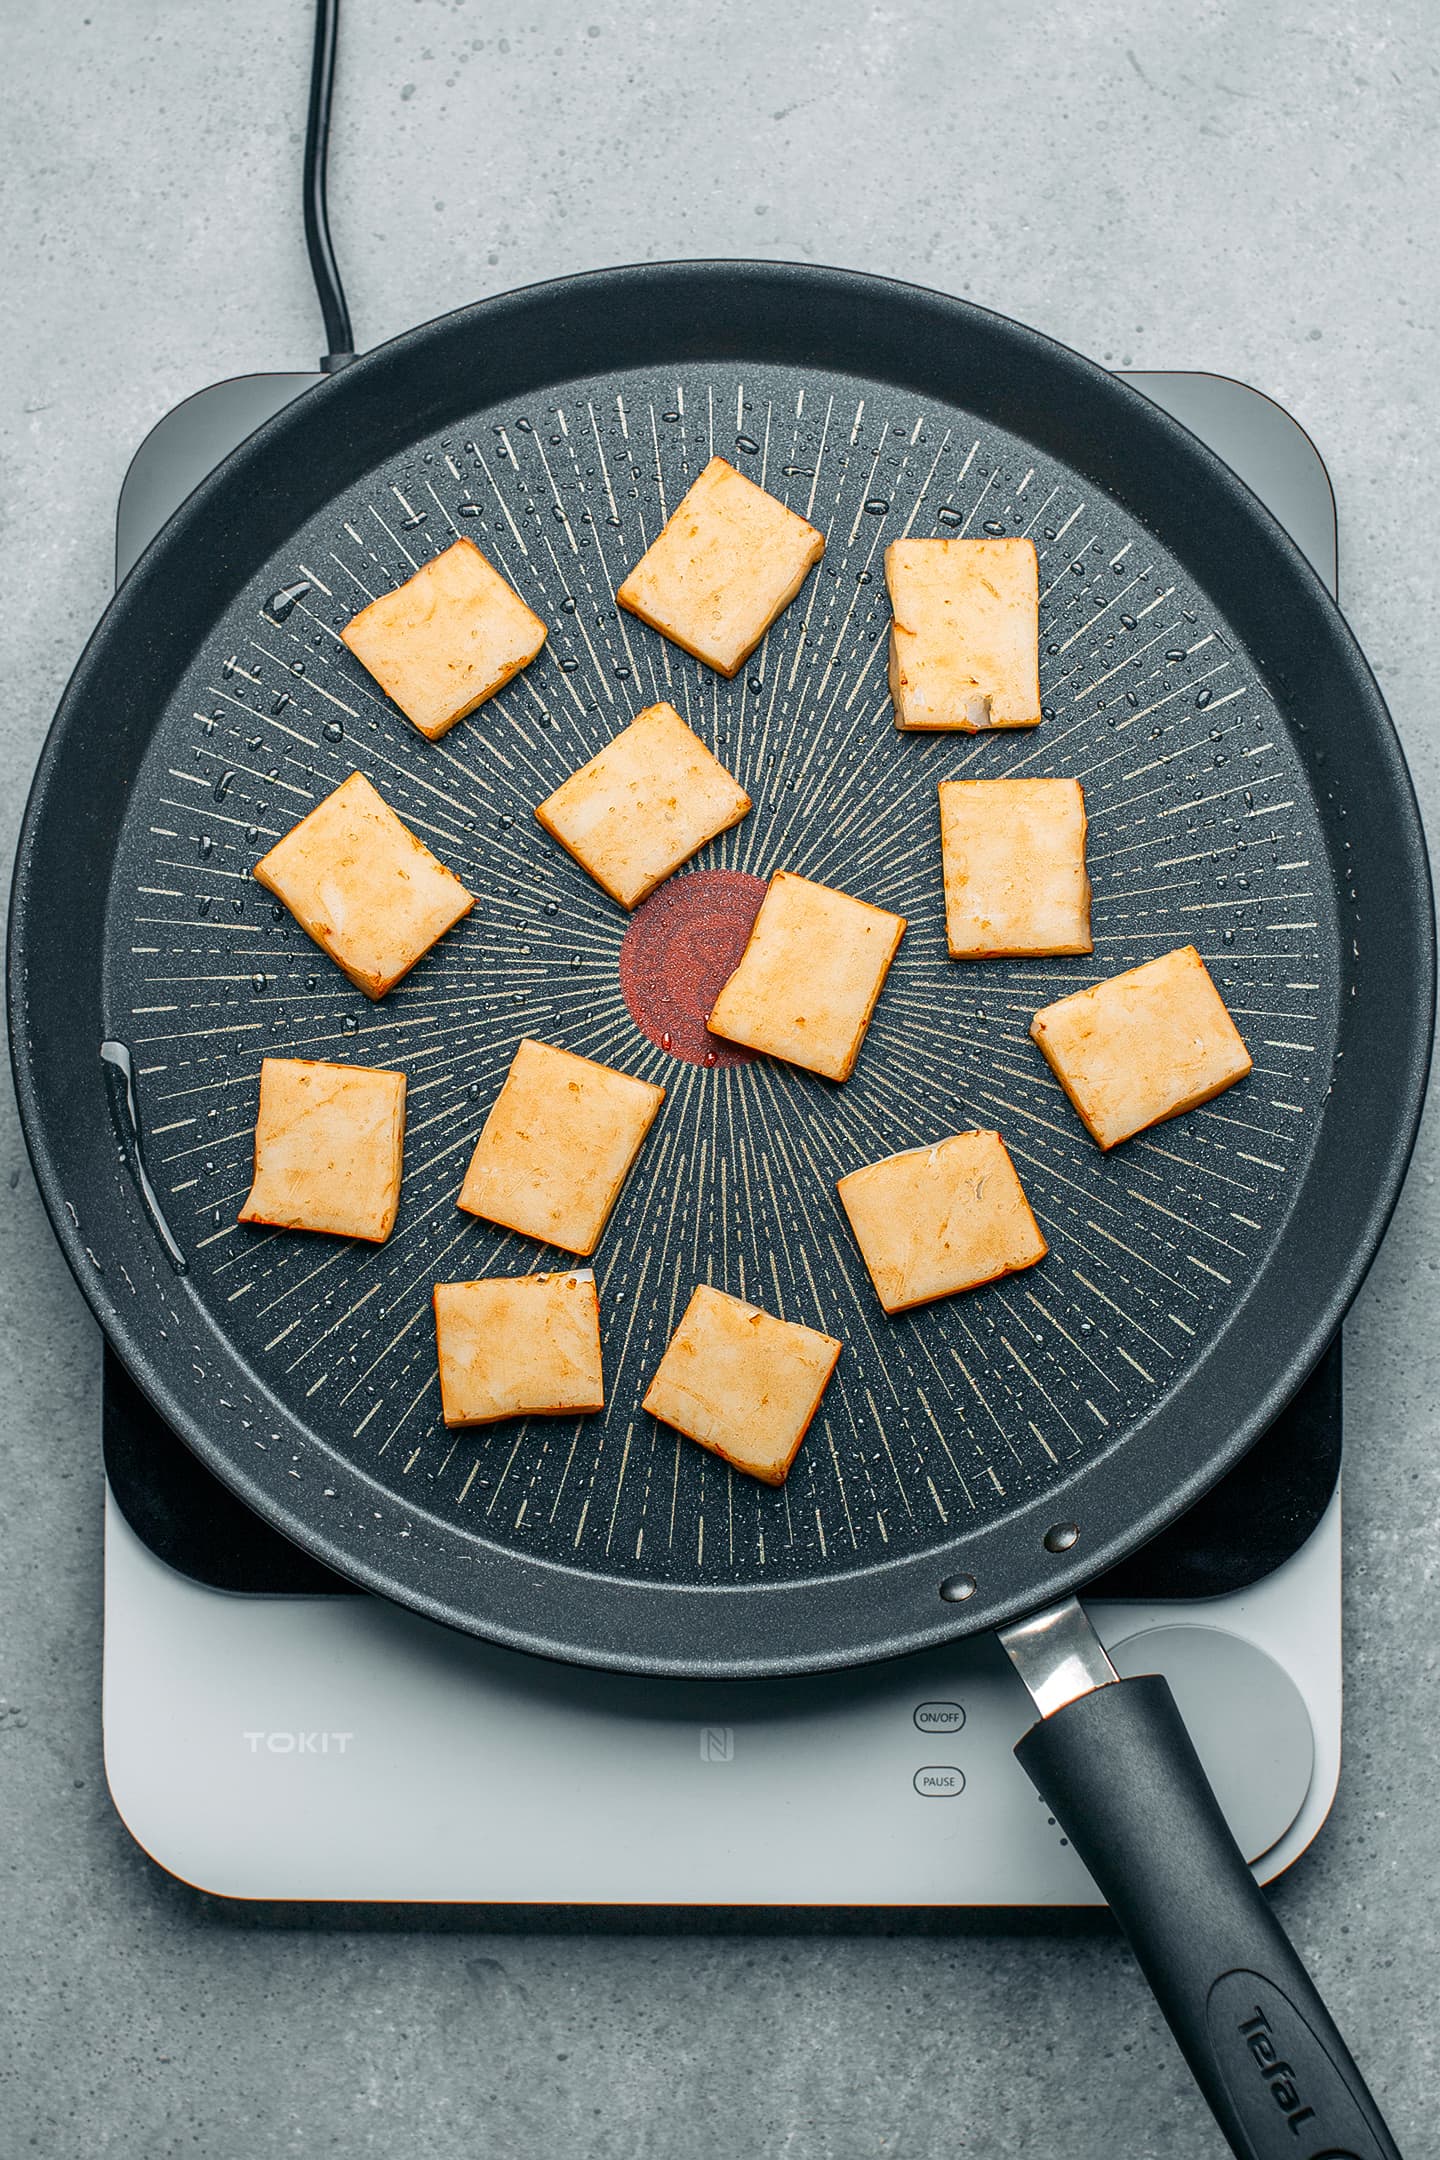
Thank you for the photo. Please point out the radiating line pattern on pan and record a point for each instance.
(1203, 831)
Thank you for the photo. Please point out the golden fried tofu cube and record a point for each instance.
(1143, 1046)
(965, 640)
(358, 881)
(557, 1146)
(742, 1383)
(328, 1143)
(810, 977)
(518, 1346)
(940, 1219)
(447, 639)
(725, 565)
(643, 805)
(1013, 853)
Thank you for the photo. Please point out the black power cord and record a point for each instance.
(338, 335)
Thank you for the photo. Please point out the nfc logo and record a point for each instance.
(717, 1743)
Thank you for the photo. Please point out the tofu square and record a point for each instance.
(328, 1143)
(643, 805)
(358, 881)
(1143, 1046)
(965, 640)
(447, 639)
(1013, 853)
(726, 563)
(810, 977)
(742, 1383)
(557, 1145)
(940, 1219)
(518, 1346)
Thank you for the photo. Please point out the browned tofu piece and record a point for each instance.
(447, 639)
(940, 1219)
(810, 977)
(965, 640)
(1143, 1046)
(556, 1147)
(518, 1346)
(1013, 853)
(328, 1143)
(370, 894)
(643, 805)
(728, 561)
(742, 1383)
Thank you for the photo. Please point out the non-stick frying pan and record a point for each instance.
(974, 1461)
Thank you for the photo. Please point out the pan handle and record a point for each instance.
(1118, 1770)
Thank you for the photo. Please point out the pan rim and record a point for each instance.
(819, 1649)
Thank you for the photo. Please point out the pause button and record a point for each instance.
(939, 1781)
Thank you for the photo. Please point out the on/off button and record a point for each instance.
(939, 1781)
(939, 1716)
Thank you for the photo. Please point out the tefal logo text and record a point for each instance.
(1276, 2072)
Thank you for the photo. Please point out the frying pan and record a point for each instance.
(974, 1462)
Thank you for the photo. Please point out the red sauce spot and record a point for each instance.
(682, 945)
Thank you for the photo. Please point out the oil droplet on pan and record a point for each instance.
(282, 604)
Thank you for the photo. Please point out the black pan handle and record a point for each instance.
(1122, 1778)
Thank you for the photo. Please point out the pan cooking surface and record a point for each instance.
(1203, 830)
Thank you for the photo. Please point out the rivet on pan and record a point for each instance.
(1061, 1536)
(956, 1588)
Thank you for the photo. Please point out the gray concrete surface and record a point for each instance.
(1211, 185)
